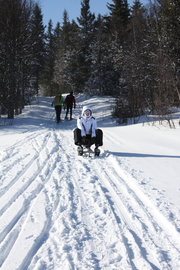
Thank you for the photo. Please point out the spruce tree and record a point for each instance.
(169, 13)
(15, 54)
(99, 82)
(65, 54)
(135, 64)
(86, 34)
(48, 83)
(119, 16)
(38, 38)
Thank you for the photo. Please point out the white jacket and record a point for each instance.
(87, 124)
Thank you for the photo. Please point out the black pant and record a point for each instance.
(69, 108)
(98, 140)
(58, 109)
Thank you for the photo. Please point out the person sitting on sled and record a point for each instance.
(86, 133)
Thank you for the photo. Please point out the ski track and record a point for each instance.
(93, 213)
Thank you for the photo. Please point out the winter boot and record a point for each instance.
(80, 150)
(96, 151)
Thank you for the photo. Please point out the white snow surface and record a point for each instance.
(61, 211)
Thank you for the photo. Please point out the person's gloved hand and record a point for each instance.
(74, 106)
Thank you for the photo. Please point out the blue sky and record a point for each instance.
(53, 9)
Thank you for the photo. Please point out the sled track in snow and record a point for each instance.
(23, 190)
(146, 224)
(62, 211)
(155, 243)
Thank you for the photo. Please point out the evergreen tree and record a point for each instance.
(71, 75)
(169, 11)
(15, 53)
(118, 20)
(117, 28)
(38, 38)
(52, 38)
(86, 33)
(64, 63)
(57, 37)
(161, 85)
(101, 74)
(133, 101)
(66, 31)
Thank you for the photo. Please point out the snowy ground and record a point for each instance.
(59, 211)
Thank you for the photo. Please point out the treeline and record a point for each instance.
(132, 54)
(22, 53)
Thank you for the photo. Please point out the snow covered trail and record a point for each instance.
(62, 211)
